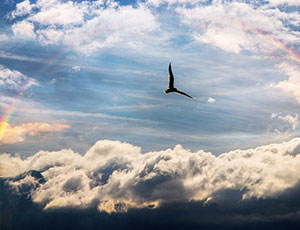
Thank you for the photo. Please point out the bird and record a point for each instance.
(171, 88)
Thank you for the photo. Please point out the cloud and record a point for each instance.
(211, 100)
(85, 27)
(22, 8)
(291, 85)
(15, 134)
(292, 120)
(24, 30)
(75, 69)
(282, 2)
(170, 2)
(59, 13)
(12, 79)
(221, 25)
(118, 176)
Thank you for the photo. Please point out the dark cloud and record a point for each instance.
(228, 211)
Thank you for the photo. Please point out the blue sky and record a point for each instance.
(100, 68)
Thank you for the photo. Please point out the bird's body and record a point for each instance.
(171, 88)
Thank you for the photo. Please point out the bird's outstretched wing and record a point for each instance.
(182, 93)
(171, 77)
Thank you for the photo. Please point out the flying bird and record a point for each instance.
(172, 89)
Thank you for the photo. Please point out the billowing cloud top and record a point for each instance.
(85, 27)
(117, 176)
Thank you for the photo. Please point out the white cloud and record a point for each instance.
(159, 2)
(291, 85)
(292, 120)
(87, 26)
(14, 134)
(59, 13)
(226, 38)
(119, 177)
(24, 30)
(22, 8)
(13, 79)
(211, 100)
(273, 115)
(238, 26)
(287, 2)
(76, 68)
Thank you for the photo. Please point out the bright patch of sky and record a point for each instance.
(100, 68)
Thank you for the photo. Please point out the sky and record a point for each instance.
(85, 122)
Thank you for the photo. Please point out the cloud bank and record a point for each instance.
(117, 176)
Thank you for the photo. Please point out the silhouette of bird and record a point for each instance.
(172, 89)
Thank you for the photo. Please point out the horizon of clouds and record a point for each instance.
(118, 177)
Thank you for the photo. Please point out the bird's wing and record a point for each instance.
(182, 93)
(171, 77)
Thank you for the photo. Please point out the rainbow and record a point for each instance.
(11, 108)
(9, 111)
(267, 36)
(263, 34)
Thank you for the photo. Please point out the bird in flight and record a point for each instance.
(172, 89)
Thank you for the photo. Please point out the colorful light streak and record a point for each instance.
(7, 114)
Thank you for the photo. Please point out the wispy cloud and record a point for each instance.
(220, 25)
(85, 114)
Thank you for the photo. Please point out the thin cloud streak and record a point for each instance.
(83, 114)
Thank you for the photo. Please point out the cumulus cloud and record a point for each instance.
(12, 79)
(13, 134)
(118, 176)
(22, 8)
(85, 27)
(23, 30)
